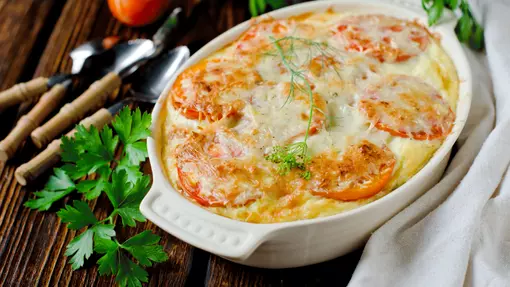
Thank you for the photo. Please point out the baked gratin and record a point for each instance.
(308, 116)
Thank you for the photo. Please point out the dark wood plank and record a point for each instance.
(21, 22)
(32, 244)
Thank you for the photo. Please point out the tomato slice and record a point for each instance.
(210, 172)
(406, 106)
(257, 37)
(202, 91)
(385, 38)
(362, 171)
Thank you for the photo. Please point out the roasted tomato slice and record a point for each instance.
(362, 171)
(257, 37)
(210, 171)
(202, 92)
(384, 38)
(406, 106)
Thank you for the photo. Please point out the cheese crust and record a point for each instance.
(369, 98)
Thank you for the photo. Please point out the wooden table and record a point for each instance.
(35, 39)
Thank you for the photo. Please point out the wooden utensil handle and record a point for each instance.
(23, 92)
(27, 123)
(71, 113)
(51, 155)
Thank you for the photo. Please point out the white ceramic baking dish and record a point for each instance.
(292, 244)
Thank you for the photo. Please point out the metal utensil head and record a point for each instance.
(95, 47)
(125, 57)
(151, 81)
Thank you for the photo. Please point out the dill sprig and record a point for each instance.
(298, 79)
(295, 156)
(290, 157)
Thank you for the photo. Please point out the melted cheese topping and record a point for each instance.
(374, 97)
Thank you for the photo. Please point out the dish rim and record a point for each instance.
(452, 47)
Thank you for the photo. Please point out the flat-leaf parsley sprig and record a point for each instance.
(92, 152)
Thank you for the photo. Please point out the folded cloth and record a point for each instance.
(458, 233)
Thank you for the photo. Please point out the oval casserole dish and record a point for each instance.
(303, 242)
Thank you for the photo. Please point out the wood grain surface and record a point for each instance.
(35, 39)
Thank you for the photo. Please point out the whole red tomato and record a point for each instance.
(137, 12)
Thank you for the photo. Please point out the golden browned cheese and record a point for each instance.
(308, 116)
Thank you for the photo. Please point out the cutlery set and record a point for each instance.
(145, 64)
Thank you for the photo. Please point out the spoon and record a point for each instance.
(147, 87)
(127, 58)
(81, 58)
(58, 85)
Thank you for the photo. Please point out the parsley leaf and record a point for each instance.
(91, 151)
(144, 247)
(435, 11)
(136, 152)
(133, 171)
(104, 245)
(103, 231)
(126, 197)
(451, 4)
(93, 188)
(59, 181)
(464, 28)
(78, 216)
(132, 128)
(257, 7)
(44, 199)
(70, 150)
(58, 186)
(467, 29)
(80, 248)
(252, 6)
(276, 4)
(129, 273)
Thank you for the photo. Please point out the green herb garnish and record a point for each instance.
(258, 7)
(92, 152)
(290, 157)
(467, 29)
(295, 156)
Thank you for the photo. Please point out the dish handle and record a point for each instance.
(222, 236)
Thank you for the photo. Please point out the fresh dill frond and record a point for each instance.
(298, 80)
(293, 156)
(306, 175)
